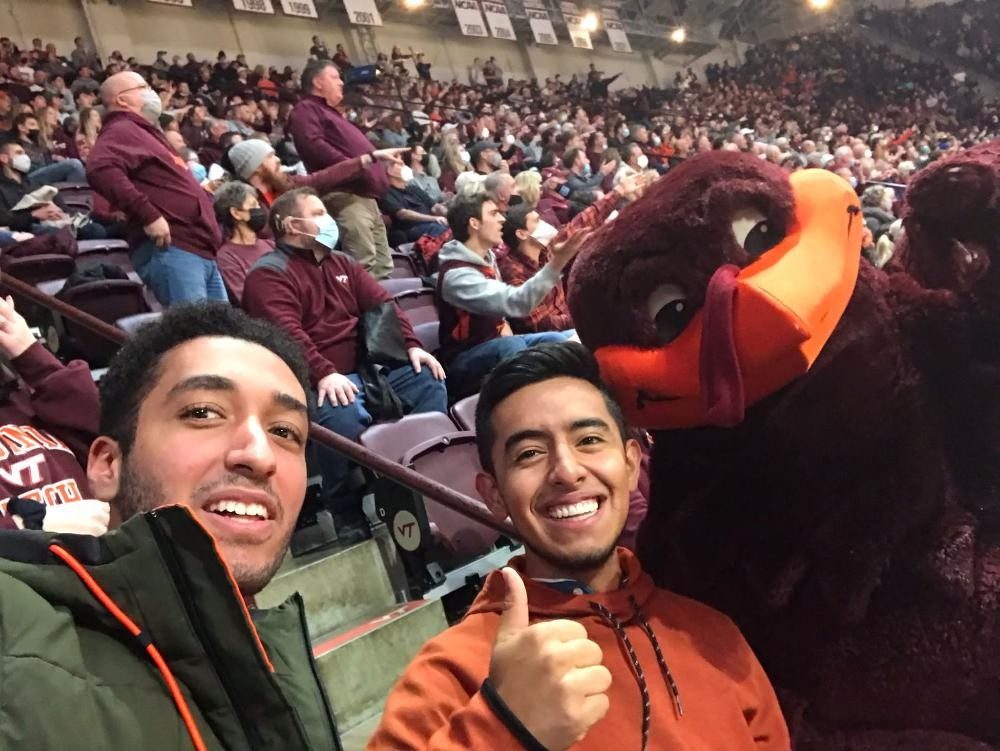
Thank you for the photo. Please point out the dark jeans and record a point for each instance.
(468, 369)
(416, 231)
(66, 171)
(176, 275)
(419, 392)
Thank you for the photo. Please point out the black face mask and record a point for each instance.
(33, 134)
(257, 220)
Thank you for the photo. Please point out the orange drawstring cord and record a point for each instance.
(132, 628)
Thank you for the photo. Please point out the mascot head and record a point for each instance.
(718, 287)
(950, 216)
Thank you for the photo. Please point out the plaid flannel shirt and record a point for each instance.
(552, 313)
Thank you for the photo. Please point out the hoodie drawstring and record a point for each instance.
(140, 636)
(640, 675)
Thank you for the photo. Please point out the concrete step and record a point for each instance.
(358, 665)
(340, 586)
(357, 738)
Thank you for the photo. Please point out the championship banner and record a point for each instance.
(574, 25)
(541, 25)
(470, 19)
(179, 3)
(615, 30)
(300, 8)
(363, 12)
(254, 6)
(498, 20)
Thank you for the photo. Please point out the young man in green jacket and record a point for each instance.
(142, 638)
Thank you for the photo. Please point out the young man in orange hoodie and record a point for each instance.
(573, 645)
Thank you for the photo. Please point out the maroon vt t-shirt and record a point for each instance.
(46, 431)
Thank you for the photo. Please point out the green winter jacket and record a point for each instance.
(72, 676)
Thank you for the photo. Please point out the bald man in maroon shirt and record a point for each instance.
(171, 218)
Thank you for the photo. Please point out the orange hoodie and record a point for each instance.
(727, 701)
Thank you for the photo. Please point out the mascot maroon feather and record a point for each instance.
(805, 467)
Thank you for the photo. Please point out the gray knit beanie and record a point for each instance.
(248, 155)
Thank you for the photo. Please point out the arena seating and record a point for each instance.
(427, 333)
(418, 304)
(403, 266)
(93, 252)
(398, 285)
(463, 412)
(109, 300)
(452, 460)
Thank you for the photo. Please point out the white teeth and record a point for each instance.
(582, 508)
(238, 509)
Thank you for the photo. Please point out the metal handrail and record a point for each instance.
(395, 471)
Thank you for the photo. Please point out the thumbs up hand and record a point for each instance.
(549, 674)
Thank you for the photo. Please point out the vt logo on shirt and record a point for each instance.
(342, 278)
(24, 454)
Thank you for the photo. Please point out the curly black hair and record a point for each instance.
(136, 366)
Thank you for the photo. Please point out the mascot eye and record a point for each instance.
(755, 232)
(670, 310)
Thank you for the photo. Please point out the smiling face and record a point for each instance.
(563, 473)
(223, 432)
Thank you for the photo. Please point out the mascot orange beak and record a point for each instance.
(760, 328)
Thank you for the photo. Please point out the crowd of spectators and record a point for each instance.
(967, 30)
(284, 191)
(494, 179)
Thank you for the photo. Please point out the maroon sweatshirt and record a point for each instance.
(324, 137)
(46, 431)
(135, 169)
(318, 303)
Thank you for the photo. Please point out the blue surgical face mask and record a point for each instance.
(586, 171)
(199, 171)
(328, 231)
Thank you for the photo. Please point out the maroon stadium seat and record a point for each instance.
(418, 305)
(452, 460)
(109, 300)
(75, 196)
(403, 266)
(397, 285)
(92, 252)
(43, 267)
(393, 439)
(428, 335)
(464, 412)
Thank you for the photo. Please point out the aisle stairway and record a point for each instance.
(362, 638)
